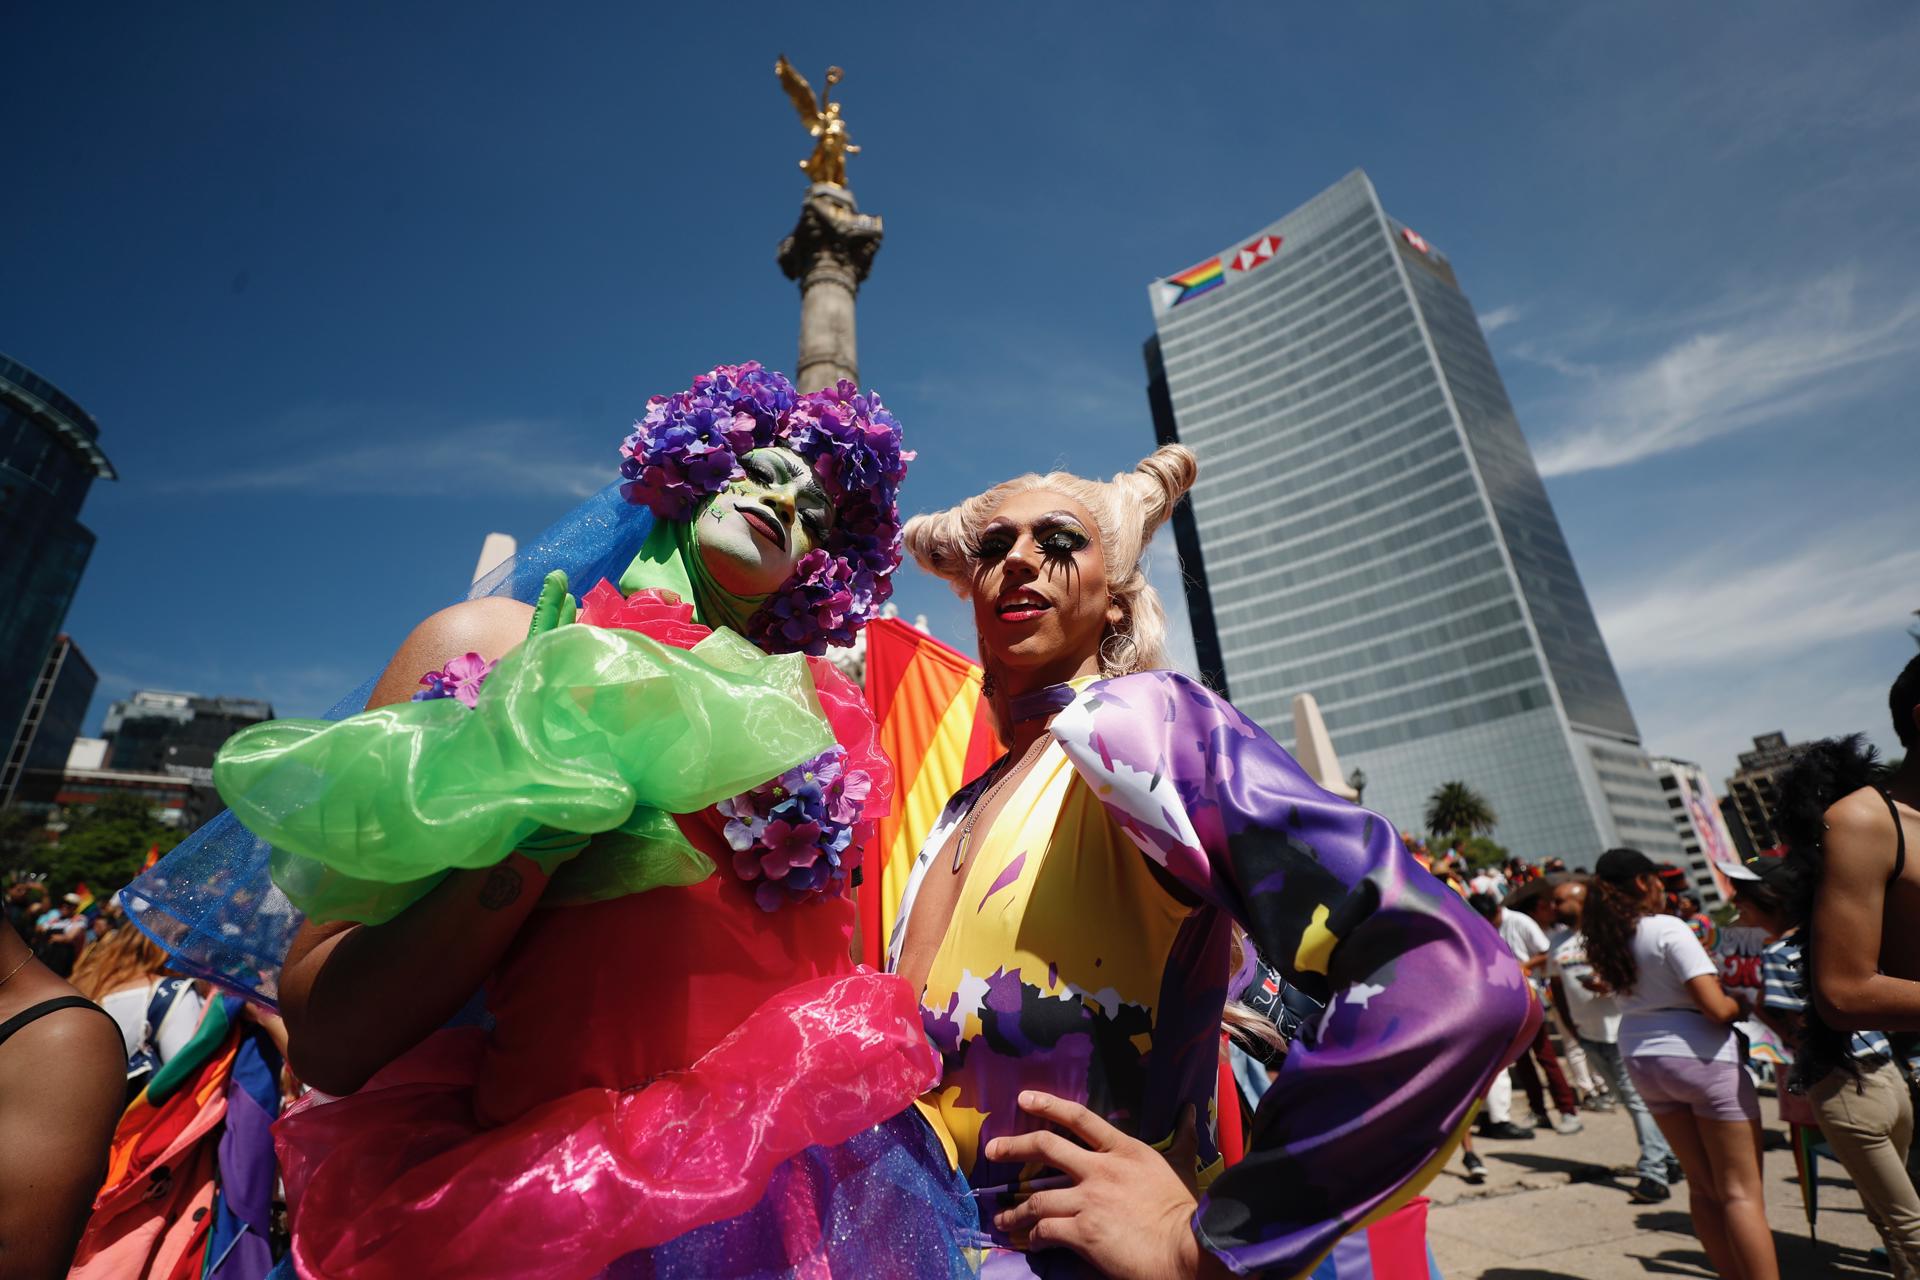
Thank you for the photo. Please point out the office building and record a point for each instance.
(159, 732)
(1369, 527)
(1705, 841)
(56, 705)
(1752, 793)
(49, 458)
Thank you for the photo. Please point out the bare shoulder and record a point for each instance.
(70, 1060)
(1857, 815)
(63, 1086)
(490, 627)
(1859, 842)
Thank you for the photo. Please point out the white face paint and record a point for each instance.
(756, 530)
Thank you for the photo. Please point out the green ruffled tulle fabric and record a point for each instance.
(582, 729)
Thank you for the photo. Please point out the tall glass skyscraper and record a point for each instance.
(1369, 527)
(49, 457)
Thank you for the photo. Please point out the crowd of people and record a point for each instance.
(570, 990)
(1638, 1015)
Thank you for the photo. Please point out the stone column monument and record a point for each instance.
(832, 246)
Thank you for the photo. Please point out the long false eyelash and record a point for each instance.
(977, 551)
(1062, 554)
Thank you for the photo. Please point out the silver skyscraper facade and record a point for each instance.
(1369, 527)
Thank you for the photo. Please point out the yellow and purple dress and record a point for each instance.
(1088, 957)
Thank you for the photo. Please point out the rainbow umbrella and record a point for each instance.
(1806, 1157)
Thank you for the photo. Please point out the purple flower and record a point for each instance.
(849, 797)
(788, 833)
(742, 835)
(787, 845)
(460, 678)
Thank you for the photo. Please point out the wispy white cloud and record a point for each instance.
(509, 456)
(1720, 607)
(1719, 647)
(1843, 88)
(1493, 321)
(1773, 355)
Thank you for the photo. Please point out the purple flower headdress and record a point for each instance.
(688, 448)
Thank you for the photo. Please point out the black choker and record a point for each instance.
(1041, 703)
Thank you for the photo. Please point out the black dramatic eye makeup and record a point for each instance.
(1062, 542)
(1055, 538)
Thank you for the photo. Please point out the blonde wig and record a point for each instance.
(1126, 510)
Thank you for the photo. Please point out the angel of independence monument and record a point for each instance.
(831, 247)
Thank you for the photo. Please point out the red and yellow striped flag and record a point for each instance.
(926, 697)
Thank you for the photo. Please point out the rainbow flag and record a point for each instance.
(86, 903)
(1395, 1248)
(1197, 280)
(926, 698)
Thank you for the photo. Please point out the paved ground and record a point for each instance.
(1556, 1208)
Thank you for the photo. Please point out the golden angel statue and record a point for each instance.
(828, 163)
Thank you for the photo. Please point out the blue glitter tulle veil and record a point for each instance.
(212, 903)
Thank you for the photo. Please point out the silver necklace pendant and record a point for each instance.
(966, 828)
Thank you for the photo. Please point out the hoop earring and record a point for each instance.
(1111, 663)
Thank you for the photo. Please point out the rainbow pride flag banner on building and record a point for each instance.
(926, 697)
(1196, 280)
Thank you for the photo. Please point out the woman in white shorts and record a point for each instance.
(1677, 1037)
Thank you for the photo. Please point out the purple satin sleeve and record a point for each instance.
(1424, 1002)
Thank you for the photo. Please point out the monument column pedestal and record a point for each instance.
(829, 253)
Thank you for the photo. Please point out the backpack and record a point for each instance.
(145, 1058)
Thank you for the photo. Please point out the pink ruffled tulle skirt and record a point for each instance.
(762, 1159)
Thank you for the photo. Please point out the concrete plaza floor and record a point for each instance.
(1556, 1208)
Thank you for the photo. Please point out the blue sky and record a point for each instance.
(349, 289)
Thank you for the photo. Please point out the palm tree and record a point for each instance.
(1457, 807)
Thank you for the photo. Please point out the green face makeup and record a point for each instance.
(754, 532)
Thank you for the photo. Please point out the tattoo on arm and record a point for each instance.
(502, 888)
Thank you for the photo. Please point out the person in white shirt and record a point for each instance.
(1591, 1093)
(1676, 1034)
(125, 974)
(1595, 1020)
(1529, 945)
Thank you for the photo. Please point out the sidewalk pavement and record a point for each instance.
(1556, 1208)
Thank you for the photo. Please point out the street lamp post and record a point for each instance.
(1358, 781)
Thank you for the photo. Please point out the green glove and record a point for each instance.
(554, 608)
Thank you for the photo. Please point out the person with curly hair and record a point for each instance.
(1676, 1035)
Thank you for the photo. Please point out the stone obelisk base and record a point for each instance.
(829, 252)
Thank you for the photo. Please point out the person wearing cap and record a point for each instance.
(1676, 1034)
(1862, 1105)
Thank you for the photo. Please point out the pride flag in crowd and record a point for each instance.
(926, 697)
(1394, 1248)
